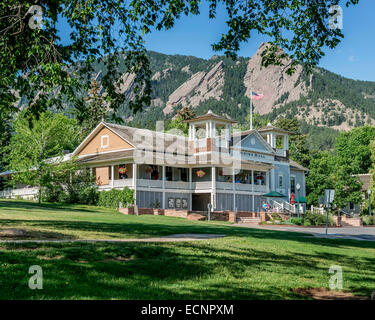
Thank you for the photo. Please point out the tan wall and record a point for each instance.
(102, 176)
(115, 143)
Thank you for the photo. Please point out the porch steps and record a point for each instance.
(249, 220)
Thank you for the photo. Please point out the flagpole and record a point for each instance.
(251, 106)
(251, 114)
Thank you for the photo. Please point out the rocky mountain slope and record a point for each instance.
(320, 98)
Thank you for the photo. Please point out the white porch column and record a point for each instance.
(268, 181)
(163, 182)
(286, 143)
(135, 182)
(213, 187)
(234, 189)
(163, 176)
(112, 175)
(252, 190)
(190, 178)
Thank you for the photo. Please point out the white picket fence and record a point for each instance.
(25, 193)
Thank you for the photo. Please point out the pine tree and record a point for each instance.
(96, 109)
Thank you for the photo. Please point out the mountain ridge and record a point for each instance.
(321, 98)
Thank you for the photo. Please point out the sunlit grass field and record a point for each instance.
(246, 264)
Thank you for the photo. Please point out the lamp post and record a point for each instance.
(298, 187)
(369, 201)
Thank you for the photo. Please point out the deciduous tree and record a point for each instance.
(37, 146)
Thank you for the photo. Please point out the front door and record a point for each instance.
(200, 201)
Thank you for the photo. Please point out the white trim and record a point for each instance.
(102, 145)
(102, 152)
(260, 138)
(95, 131)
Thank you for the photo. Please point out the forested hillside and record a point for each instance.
(322, 101)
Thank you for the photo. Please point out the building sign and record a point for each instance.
(255, 156)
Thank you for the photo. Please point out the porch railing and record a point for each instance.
(123, 183)
(149, 183)
(176, 185)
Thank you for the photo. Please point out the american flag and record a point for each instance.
(256, 96)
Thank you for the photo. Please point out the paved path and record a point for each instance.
(354, 233)
(170, 238)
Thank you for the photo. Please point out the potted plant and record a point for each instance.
(200, 173)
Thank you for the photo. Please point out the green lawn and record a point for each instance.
(247, 264)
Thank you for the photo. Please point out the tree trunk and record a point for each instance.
(40, 194)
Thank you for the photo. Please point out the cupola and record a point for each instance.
(209, 132)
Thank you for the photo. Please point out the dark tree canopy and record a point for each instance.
(38, 67)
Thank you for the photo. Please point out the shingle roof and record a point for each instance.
(211, 115)
(106, 156)
(296, 166)
(151, 140)
(270, 127)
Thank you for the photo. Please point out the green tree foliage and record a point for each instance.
(353, 149)
(177, 125)
(326, 173)
(95, 110)
(73, 186)
(298, 150)
(372, 172)
(112, 33)
(37, 140)
(113, 197)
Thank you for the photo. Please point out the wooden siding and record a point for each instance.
(102, 175)
(115, 143)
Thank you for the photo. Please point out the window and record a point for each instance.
(168, 173)
(280, 181)
(104, 142)
(260, 178)
(293, 184)
(183, 174)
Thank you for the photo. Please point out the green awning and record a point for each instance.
(302, 200)
(274, 194)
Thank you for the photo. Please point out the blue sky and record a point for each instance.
(354, 57)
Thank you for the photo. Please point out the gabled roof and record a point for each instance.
(131, 135)
(210, 116)
(247, 133)
(270, 128)
(296, 166)
(94, 132)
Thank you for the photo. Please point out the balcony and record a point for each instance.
(146, 183)
(241, 187)
(177, 185)
(201, 185)
(119, 183)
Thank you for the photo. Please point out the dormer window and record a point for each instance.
(104, 142)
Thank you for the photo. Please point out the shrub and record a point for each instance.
(297, 221)
(88, 195)
(368, 220)
(112, 198)
(52, 193)
(76, 189)
(316, 219)
(364, 210)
